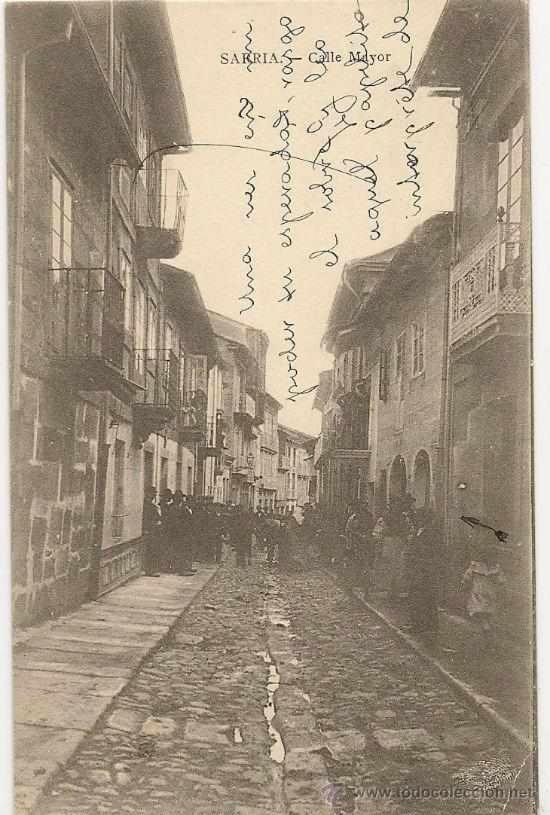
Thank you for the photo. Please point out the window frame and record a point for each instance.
(60, 261)
(418, 331)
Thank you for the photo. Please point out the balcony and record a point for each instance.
(284, 463)
(245, 413)
(191, 419)
(343, 445)
(214, 439)
(161, 224)
(85, 335)
(155, 370)
(489, 282)
(244, 466)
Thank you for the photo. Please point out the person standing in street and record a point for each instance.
(483, 582)
(284, 544)
(183, 535)
(166, 554)
(423, 572)
(242, 535)
(151, 533)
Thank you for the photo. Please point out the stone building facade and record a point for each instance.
(295, 469)
(382, 415)
(242, 358)
(268, 444)
(488, 467)
(91, 212)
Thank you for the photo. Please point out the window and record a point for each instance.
(400, 355)
(510, 160)
(125, 275)
(61, 225)
(152, 325)
(139, 332)
(142, 135)
(118, 514)
(383, 378)
(168, 337)
(124, 84)
(128, 90)
(417, 348)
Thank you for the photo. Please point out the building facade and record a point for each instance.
(268, 444)
(295, 469)
(91, 213)
(382, 418)
(242, 354)
(488, 467)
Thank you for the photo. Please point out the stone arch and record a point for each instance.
(422, 479)
(398, 478)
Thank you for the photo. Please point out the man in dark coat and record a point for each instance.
(243, 527)
(151, 533)
(423, 565)
(166, 554)
(182, 532)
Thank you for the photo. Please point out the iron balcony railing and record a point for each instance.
(156, 371)
(491, 279)
(162, 205)
(214, 437)
(86, 314)
(192, 410)
(284, 462)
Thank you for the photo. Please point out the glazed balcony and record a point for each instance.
(490, 282)
(284, 463)
(191, 419)
(214, 441)
(161, 223)
(344, 445)
(85, 330)
(245, 414)
(155, 370)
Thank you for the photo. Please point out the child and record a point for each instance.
(482, 580)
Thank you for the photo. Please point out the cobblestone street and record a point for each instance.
(278, 693)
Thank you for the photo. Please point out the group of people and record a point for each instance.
(401, 552)
(179, 530)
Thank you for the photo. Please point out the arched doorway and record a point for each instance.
(422, 479)
(398, 478)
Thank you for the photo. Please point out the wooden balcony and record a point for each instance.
(489, 284)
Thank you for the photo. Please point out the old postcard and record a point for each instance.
(270, 383)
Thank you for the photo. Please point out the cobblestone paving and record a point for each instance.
(349, 709)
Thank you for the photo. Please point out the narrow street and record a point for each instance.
(279, 694)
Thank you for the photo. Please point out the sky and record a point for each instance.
(323, 145)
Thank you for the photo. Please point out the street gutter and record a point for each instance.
(485, 709)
